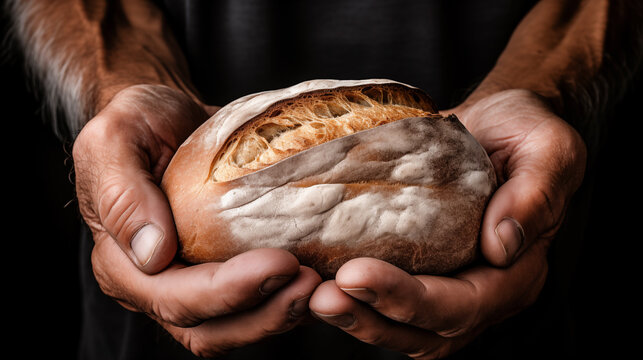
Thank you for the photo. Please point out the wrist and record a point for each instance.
(498, 81)
(477, 112)
(104, 95)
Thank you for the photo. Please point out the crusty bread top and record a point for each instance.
(292, 125)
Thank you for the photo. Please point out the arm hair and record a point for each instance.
(81, 53)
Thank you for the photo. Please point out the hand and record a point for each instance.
(540, 161)
(119, 159)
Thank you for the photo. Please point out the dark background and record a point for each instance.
(41, 246)
(41, 222)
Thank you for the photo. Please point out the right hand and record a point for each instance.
(119, 158)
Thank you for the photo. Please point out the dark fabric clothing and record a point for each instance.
(237, 47)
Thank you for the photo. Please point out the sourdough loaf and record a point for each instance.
(332, 170)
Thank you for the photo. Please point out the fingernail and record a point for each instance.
(366, 295)
(299, 307)
(511, 236)
(145, 242)
(273, 283)
(341, 320)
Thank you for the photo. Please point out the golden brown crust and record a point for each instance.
(292, 125)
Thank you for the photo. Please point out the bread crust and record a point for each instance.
(292, 125)
(411, 191)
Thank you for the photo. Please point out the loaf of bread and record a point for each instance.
(332, 170)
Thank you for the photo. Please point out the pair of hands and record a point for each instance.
(212, 308)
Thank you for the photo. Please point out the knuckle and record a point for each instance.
(106, 283)
(229, 301)
(549, 206)
(82, 143)
(92, 136)
(229, 305)
(374, 337)
(127, 305)
(199, 345)
(79, 148)
(408, 314)
(101, 273)
(115, 206)
(464, 326)
(279, 326)
(285, 321)
(172, 311)
(455, 331)
(470, 316)
(549, 203)
(431, 352)
(103, 281)
(161, 311)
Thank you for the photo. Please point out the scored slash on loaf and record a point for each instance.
(332, 170)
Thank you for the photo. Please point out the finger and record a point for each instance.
(450, 306)
(205, 291)
(542, 160)
(186, 296)
(279, 313)
(332, 305)
(136, 213)
(118, 193)
(531, 204)
(119, 157)
(444, 305)
(521, 210)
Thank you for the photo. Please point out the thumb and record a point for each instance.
(117, 193)
(136, 213)
(119, 157)
(519, 212)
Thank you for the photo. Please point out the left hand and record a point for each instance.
(540, 162)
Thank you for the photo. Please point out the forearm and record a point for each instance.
(578, 54)
(84, 52)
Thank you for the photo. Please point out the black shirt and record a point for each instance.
(238, 47)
